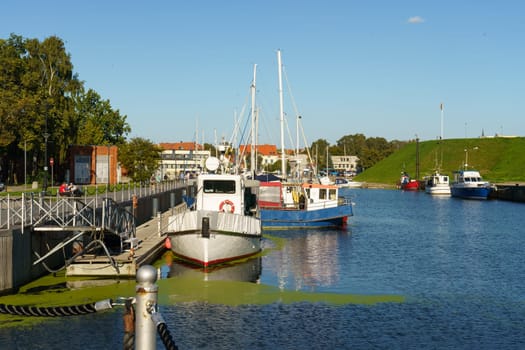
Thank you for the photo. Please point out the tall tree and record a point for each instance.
(98, 123)
(42, 107)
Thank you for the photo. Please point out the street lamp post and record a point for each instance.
(44, 185)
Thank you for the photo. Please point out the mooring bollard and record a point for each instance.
(146, 304)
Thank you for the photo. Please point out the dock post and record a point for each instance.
(146, 303)
(172, 200)
(155, 207)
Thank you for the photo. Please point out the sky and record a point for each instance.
(182, 70)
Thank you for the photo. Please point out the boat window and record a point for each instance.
(219, 186)
(322, 194)
(332, 194)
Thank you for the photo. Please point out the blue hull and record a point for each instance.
(279, 218)
(470, 192)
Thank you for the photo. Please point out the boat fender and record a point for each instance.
(205, 227)
(167, 243)
(228, 203)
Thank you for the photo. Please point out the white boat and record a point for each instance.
(437, 184)
(222, 224)
(345, 183)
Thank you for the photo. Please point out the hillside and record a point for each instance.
(498, 160)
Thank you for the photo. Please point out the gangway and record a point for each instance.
(85, 223)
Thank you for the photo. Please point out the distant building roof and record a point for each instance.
(265, 150)
(185, 146)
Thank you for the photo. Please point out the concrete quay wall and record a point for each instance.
(509, 192)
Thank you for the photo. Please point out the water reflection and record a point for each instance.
(308, 260)
(242, 271)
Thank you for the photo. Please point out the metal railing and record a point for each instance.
(28, 209)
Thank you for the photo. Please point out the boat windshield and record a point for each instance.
(219, 186)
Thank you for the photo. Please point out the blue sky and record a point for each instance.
(379, 68)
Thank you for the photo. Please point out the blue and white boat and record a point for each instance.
(298, 204)
(306, 205)
(470, 185)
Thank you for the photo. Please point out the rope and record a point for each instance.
(24, 310)
(163, 331)
(165, 336)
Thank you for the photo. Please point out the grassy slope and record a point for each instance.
(497, 159)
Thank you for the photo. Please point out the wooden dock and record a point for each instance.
(148, 245)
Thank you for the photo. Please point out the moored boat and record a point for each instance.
(305, 205)
(341, 182)
(222, 224)
(469, 184)
(437, 184)
(408, 184)
(288, 204)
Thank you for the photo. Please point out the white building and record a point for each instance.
(345, 164)
(180, 158)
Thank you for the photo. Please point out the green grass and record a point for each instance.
(497, 159)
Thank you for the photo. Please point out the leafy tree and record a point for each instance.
(319, 149)
(41, 99)
(140, 157)
(98, 123)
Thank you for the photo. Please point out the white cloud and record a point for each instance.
(416, 20)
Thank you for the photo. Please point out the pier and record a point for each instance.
(509, 192)
(94, 235)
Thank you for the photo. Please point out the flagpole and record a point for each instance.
(441, 106)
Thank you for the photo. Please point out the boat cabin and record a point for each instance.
(467, 176)
(297, 195)
(227, 193)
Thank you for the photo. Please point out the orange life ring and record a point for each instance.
(229, 203)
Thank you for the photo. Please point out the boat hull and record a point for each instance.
(208, 238)
(470, 192)
(278, 218)
(413, 185)
(438, 190)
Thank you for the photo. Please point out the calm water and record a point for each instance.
(458, 264)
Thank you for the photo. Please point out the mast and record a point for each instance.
(252, 146)
(297, 135)
(281, 114)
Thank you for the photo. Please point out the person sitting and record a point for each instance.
(63, 190)
(75, 190)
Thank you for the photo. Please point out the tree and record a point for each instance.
(140, 157)
(98, 123)
(41, 99)
(319, 149)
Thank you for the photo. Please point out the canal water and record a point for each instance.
(411, 271)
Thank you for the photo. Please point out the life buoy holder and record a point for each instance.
(227, 203)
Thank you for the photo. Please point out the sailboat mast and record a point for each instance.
(252, 146)
(281, 113)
